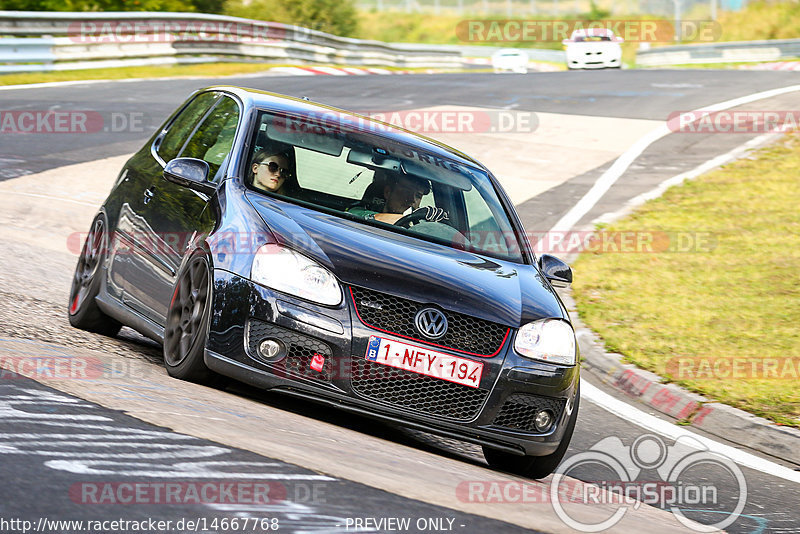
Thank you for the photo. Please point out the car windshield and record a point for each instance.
(329, 163)
(594, 38)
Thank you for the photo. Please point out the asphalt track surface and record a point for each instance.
(771, 502)
(42, 428)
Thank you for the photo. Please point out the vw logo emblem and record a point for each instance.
(431, 323)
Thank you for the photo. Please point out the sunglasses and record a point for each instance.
(274, 167)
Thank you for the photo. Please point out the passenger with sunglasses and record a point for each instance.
(272, 171)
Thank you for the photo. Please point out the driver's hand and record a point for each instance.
(430, 214)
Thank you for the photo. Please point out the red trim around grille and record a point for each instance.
(495, 353)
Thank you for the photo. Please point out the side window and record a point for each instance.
(213, 139)
(183, 126)
(484, 231)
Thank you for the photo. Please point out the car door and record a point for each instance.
(176, 213)
(133, 258)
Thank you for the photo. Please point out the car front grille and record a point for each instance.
(300, 349)
(519, 410)
(396, 315)
(416, 393)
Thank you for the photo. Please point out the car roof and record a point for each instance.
(289, 104)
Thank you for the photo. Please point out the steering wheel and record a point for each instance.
(406, 220)
(415, 217)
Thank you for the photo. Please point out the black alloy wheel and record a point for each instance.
(83, 310)
(187, 322)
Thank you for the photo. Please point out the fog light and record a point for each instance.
(271, 349)
(543, 420)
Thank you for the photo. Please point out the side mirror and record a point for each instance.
(190, 172)
(555, 270)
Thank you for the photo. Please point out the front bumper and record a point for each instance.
(593, 62)
(498, 413)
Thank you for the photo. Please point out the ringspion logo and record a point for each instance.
(681, 484)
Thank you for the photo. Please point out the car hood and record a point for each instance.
(361, 255)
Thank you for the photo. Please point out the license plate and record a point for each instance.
(424, 361)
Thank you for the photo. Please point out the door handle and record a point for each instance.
(149, 194)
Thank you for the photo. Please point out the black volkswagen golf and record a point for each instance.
(315, 252)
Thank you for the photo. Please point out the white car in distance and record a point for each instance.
(593, 48)
(510, 59)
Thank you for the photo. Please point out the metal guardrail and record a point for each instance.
(26, 50)
(534, 54)
(84, 40)
(44, 41)
(728, 52)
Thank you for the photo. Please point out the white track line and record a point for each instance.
(44, 85)
(53, 197)
(673, 431)
(608, 178)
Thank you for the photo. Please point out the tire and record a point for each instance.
(186, 327)
(82, 309)
(534, 467)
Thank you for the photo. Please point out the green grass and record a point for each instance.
(442, 29)
(736, 296)
(408, 27)
(758, 21)
(206, 70)
(761, 20)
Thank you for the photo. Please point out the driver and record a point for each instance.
(400, 194)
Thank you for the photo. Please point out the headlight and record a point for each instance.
(285, 270)
(549, 340)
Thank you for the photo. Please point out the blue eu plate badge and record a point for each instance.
(372, 349)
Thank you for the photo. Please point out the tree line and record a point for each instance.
(333, 16)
